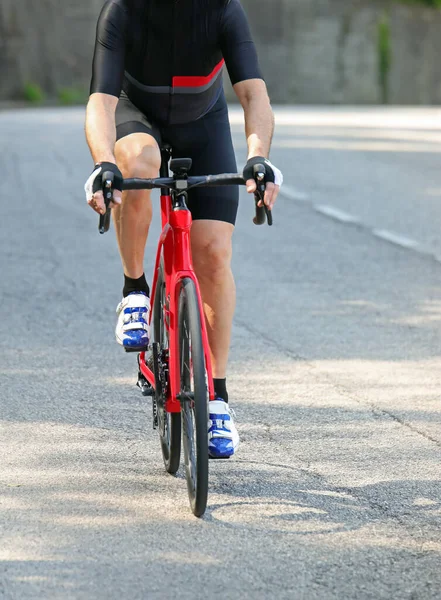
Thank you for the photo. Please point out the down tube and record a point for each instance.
(165, 241)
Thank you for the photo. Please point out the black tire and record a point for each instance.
(169, 424)
(194, 398)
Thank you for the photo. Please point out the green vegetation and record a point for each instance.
(433, 3)
(384, 57)
(68, 96)
(33, 93)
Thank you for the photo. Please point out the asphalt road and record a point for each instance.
(335, 378)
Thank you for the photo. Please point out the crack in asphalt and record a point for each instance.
(374, 408)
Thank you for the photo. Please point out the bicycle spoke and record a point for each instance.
(189, 430)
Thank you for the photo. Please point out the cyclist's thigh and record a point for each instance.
(138, 140)
(208, 143)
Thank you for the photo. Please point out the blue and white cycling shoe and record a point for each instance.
(132, 329)
(223, 439)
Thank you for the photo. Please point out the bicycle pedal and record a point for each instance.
(219, 457)
(133, 350)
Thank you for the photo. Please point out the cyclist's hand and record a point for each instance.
(273, 179)
(94, 187)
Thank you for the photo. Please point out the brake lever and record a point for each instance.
(259, 195)
(104, 224)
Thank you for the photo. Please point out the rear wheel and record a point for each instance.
(194, 397)
(169, 424)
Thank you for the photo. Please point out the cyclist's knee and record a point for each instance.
(212, 258)
(135, 161)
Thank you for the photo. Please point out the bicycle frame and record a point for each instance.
(175, 248)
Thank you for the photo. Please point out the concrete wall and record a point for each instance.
(48, 42)
(318, 51)
(311, 51)
(415, 76)
(326, 51)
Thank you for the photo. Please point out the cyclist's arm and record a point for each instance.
(107, 77)
(101, 137)
(100, 127)
(259, 117)
(242, 63)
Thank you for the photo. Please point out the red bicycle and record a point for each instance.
(175, 370)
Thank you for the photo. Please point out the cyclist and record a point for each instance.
(157, 77)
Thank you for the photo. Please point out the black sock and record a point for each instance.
(220, 389)
(135, 285)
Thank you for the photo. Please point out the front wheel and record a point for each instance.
(194, 397)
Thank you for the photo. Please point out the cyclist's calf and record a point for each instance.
(137, 156)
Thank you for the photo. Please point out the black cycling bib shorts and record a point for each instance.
(164, 60)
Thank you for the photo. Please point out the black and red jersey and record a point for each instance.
(168, 55)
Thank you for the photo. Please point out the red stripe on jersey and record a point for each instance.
(197, 81)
